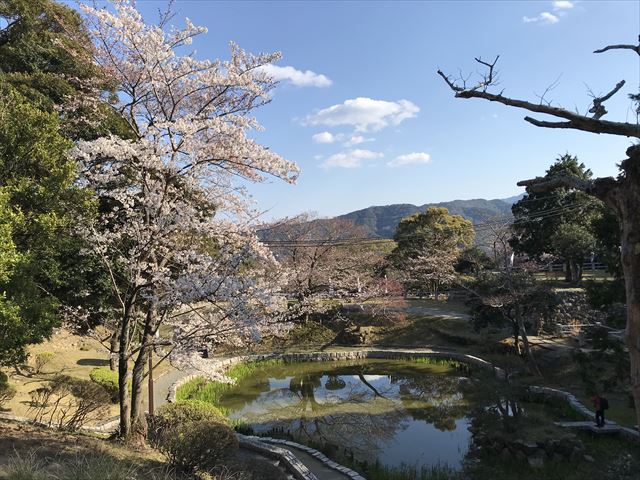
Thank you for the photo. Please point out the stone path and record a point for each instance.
(318, 468)
(609, 427)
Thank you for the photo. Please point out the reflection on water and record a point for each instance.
(393, 411)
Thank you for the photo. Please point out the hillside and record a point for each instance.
(383, 220)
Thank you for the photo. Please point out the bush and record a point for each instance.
(3, 378)
(68, 402)
(7, 392)
(183, 412)
(197, 445)
(107, 379)
(42, 359)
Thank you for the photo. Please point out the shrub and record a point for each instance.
(183, 412)
(7, 392)
(3, 378)
(42, 359)
(68, 402)
(198, 445)
(107, 379)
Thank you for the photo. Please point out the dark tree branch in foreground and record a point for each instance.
(574, 120)
(635, 48)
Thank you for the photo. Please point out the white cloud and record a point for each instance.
(324, 137)
(296, 77)
(357, 140)
(410, 159)
(562, 5)
(546, 18)
(365, 114)
(350, 159)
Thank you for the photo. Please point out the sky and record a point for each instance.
(362, 111)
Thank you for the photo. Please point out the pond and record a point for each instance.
(393, 412)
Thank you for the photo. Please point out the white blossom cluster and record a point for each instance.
(173, 229)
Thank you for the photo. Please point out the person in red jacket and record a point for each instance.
(600, 404)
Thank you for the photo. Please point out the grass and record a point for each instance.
(211, 391)
(377, 471)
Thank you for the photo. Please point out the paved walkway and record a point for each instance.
(609, 427)
(318, 468)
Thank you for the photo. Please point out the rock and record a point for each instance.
(536, 461)
(527, 447)
(589, 458)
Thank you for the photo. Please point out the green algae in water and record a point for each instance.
(392, 413)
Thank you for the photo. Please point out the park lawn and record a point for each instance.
(73, 355)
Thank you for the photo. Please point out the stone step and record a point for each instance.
(608, 428)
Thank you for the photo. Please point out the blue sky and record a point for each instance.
(374, 81)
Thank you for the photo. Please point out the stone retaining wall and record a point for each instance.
(295, 466)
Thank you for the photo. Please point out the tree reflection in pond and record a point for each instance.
(393, 411)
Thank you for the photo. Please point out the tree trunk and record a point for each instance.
(525, 342)
(516, 338)
(629, 215)
(123, 373)
(113, 349)
(567, 271)
(138, 419)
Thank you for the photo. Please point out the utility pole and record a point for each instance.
(151, 381)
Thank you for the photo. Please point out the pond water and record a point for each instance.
(392, 412)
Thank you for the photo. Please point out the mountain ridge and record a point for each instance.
(382, 220)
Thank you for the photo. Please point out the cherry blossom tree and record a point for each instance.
(174, 232)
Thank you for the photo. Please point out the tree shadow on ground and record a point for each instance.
(93, 362)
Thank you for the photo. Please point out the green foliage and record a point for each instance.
(202, 444)
(377, 471)
(575, 244)
(472, 260)
(38, 205)
(4, 378)
(185, 411)
(44, 56)
(435, 229)
(107, 379)
(43, 64)
(565, 222)
(604, 294)
(211, 391)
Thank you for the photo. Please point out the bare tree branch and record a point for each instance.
(598, 109)
(635, 48)
(575, 120)
(603, 188)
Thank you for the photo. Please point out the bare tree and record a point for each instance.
(323, 258)
(622, 194)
